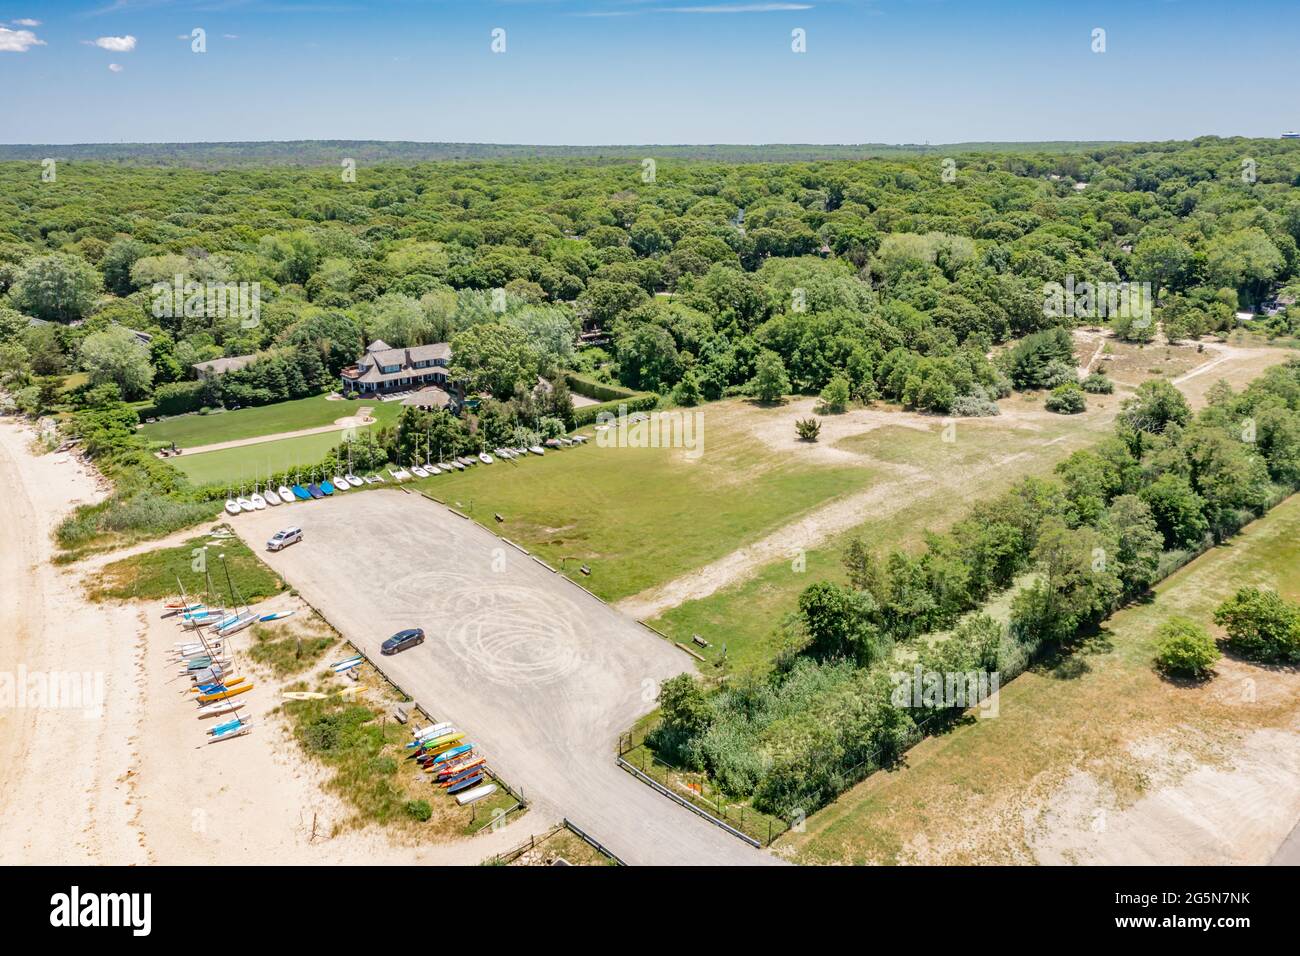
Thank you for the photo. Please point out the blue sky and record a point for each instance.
(644, 71)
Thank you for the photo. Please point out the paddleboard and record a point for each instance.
(277, 616)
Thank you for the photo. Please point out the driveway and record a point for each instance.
(543, 676)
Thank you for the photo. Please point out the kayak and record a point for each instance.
(472, 781)
(223, 694)
(277, 616)
(301, 493)
(478, 793)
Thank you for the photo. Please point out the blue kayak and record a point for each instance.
(453, 753)
(466, 784)
(315, 490)
(301, 493)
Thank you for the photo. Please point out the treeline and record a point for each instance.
(1116, 519)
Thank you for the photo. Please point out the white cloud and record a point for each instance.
(741, 8)
(28, 22)
(115, 68)
(116, 44)
(18, 41)
(230, 36)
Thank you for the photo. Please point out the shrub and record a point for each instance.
(835, 396)
(808, 428)
(639, 402)
(1098, 384)
(1067, 399)
(1057, 373)
(1185, 649)
(1261, 625)
(974, 406)
(594, 389)
(418, 810)
(177, 398)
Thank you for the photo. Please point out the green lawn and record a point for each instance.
(191, 431)
(641, 516)
(241, 466)
(152, 575)
(964, 797)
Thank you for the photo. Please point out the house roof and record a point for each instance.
(379, 354)
(431, 396)
(221, 366)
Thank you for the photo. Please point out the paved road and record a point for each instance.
(542, 675)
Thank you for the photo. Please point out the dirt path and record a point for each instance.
(351, 421)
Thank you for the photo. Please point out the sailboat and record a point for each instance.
(243, 618)
(258, 501)
(416, 468)
(232, 506)
(352, 478)
(271, 496)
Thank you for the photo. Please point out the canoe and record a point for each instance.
(258, 502)
(453, 753)
(478, 793)
(223, 694)
(429, 730)
(327, 487)
(271, 497)
(232, 506)
(277, 616)
(285, 494)
(466, 784)
(315, 490)
(301, 493)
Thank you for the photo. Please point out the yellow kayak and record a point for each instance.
(229, 683)
(441, 744)
(302, 695)
(223, 694)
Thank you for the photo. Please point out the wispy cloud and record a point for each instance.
(28, 22)
(713, 8)
(115, 68)
(18, 41)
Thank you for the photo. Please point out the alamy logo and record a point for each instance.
(939, 689)
(211, 300)
(53, 690)
(1097, 300)
(672, 429)
(74, 909)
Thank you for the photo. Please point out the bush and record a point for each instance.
(1067, 399)
(418, 810)
(1261, 625)
(974, 406)
(835, 396)
(177, 398)
(594, 389)
(1098, 384)
(808, 428)
(1185, 649)
(638, 402)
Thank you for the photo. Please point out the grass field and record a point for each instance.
(242, 465)
(192, 431)
(638, 516)
(1094, 746)
(152, 575)
(934, 484)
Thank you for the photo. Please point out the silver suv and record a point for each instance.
(284, 538)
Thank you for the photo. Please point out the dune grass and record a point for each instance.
(152, 575)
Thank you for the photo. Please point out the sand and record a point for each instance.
(131, 782)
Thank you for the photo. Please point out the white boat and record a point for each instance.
(271, 497)
(485, 458)
(536, 449)
(237, 623)
(354, 481)
(245, 504)
(433, 469)
(258, 502)
(220, 707)
(431, 731)
(419, 472)
(341, 482)
(580, 439)
(233, 732)
(478, 793)
(566, 441)
(285, 494)
(232, 506)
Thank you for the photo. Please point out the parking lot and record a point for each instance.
(541, 675)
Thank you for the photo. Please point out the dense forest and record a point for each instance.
(895, 279)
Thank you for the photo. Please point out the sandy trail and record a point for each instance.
(147, 790)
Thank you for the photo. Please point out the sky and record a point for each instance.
(588, 72)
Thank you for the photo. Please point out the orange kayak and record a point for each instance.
(450, 777)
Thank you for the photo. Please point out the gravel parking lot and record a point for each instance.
(542, 675)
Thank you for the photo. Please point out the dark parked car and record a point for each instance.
(402, 640)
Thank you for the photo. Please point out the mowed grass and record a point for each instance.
(934, 483)
(152, 575)
(640, 516)
(965, 797)
(241, 466)
(192, 431)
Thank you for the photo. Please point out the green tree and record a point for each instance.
(57, 287)
(838, 622)
(494, 357)
(835, 396)
(1178, 510)
(1261, 625)
(116, 356)
(770, 383)
(684, 706)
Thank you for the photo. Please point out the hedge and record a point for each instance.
(177, 398)
(635, 402)
(597, 390)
